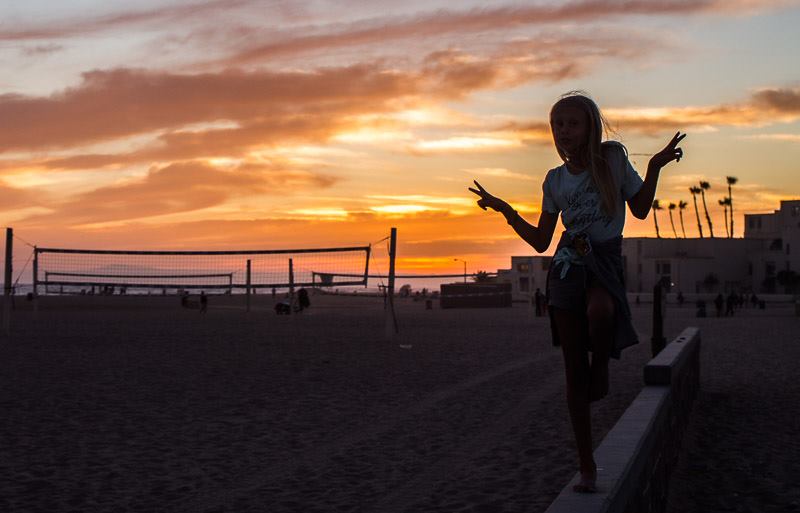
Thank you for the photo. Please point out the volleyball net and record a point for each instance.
(88, 271)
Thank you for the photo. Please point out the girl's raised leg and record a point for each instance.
(572, 334)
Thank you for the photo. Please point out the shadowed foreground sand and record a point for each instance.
(132, 408)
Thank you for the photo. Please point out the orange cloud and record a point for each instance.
(177, 188)
(123, 102)
(766, 106)
(260, 108)
(12, 198)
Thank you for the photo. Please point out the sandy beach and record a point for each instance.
(132, 404)
(741, 452)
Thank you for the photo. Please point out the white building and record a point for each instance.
(694, 265)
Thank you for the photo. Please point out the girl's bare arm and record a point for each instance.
(641, 202)
(539, 237)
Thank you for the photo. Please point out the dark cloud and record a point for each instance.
(83, 26)
(784, 100)
(451, 22)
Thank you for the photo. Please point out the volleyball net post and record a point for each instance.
(291, 285)
(7, 289)
(391, 318)
(248, 283)
(35, 280)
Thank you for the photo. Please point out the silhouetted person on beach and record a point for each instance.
(203, 302)
(730, 302)
(538, 299)
(586, 299)
(680, 298)
(302, 300)
(719, 302)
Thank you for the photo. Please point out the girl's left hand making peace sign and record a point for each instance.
(669, 153)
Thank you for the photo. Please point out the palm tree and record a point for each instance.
(731, 181)
(724, 204)
(704, 186)
(681, 205)
(656, 208)
(671, 221)
(695, 191)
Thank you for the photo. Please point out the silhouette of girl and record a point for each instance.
(588, 308)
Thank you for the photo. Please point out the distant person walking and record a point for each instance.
(719, 302)
(539, 300)
(586, 299)
(203, 302)
(730, 302)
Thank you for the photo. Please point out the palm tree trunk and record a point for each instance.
(697, 213)
(727, 233)
(708, 217)
(655, 218)
(682, 228)
(730, 201)
(672, 222)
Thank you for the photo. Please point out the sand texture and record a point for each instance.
(741, 452)
(134, 404)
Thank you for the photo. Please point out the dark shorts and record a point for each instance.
(569, 293)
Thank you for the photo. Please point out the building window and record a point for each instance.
(523, 268)
(769, 269)
(663, 267)
(795, 211)
(751, 222)
(523, 284)
(546, 263)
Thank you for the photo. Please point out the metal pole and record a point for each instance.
(391, 319)
(291, 285)
(658, 342)
(247, 277)
(530, 283)
(8, 277)
(35, 279)
(392, 259)
(366, 267)
(465, 271)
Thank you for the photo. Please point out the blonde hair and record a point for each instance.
(592, 150)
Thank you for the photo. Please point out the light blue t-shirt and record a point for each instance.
(579, 202)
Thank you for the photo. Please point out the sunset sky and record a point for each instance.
(250, 124)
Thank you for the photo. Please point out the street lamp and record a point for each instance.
(465, 267)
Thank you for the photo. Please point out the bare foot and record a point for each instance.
(598, 380)
(587, 483)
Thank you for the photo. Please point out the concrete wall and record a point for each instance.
(639, 453)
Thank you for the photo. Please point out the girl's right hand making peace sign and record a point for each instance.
(487, 200)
